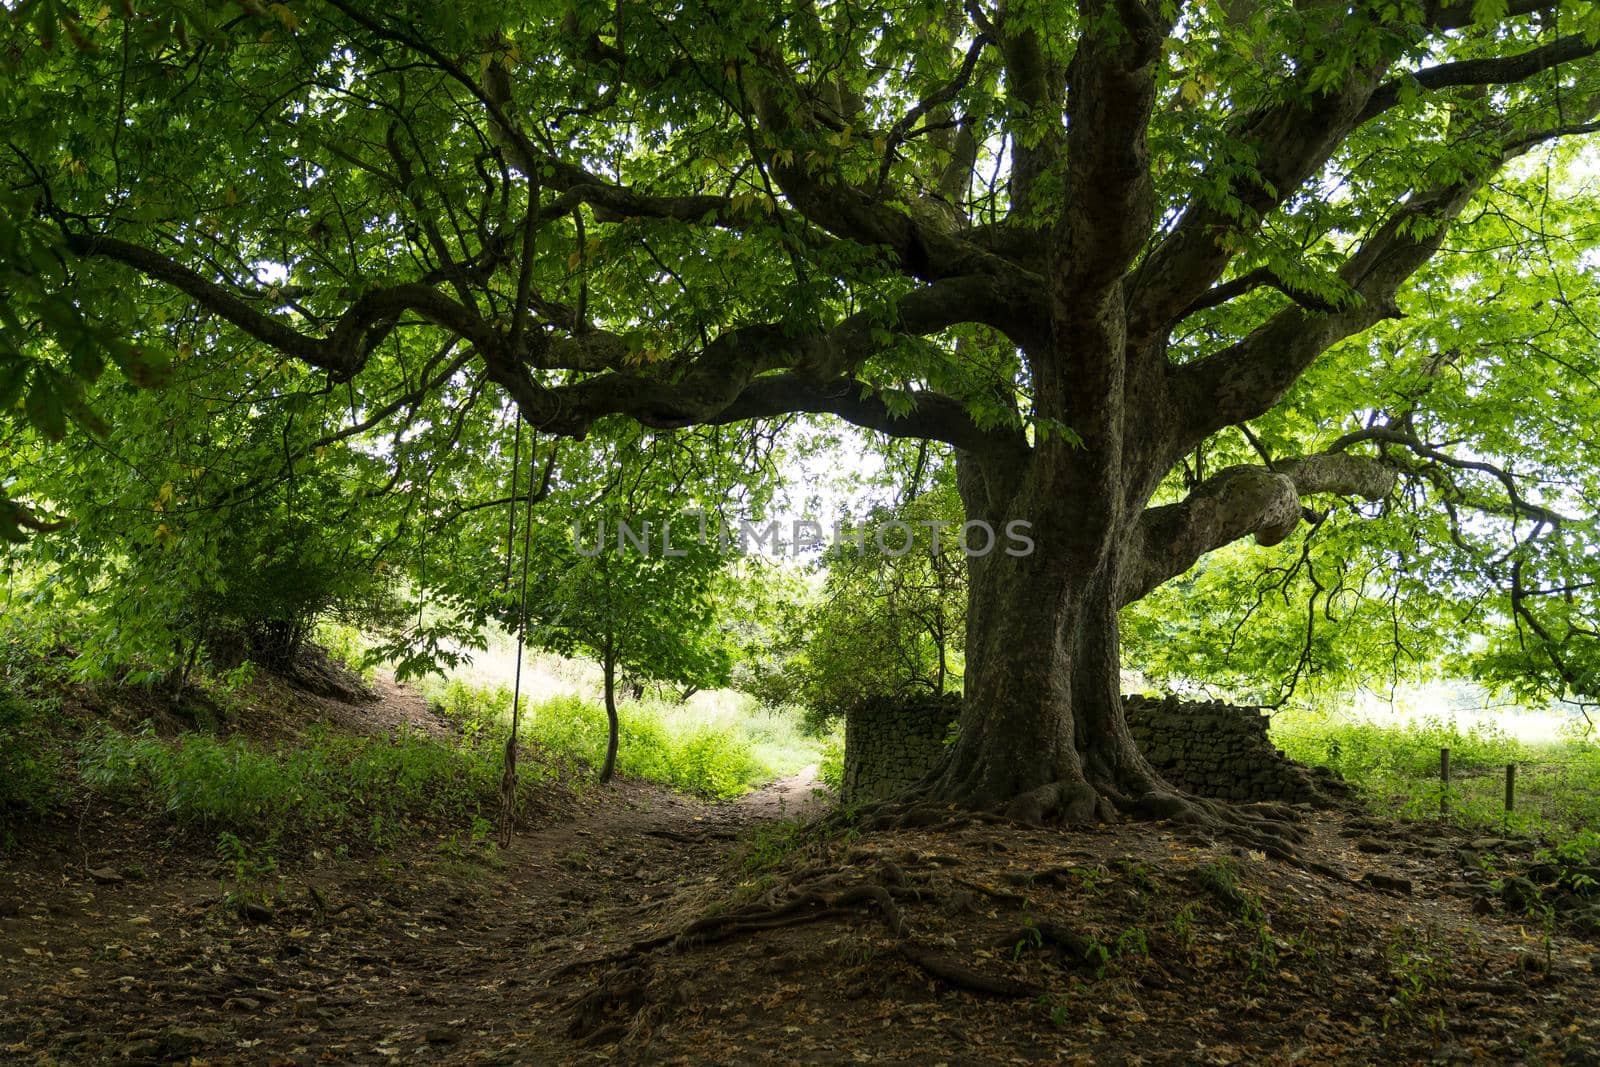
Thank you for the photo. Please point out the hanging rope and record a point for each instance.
(508, 780)
(511, 510)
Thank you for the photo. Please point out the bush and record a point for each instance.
(346, 646)
(30, 767)
(717, 763)
(472, 708)
(831, 769)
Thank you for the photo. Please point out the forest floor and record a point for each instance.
(978, 944)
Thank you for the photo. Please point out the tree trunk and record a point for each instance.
(1042, 728)
(609, 768)
(1043, 736)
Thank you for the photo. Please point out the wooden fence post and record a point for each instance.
(1444, 781)
(1511, 787)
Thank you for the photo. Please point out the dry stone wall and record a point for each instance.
(890, 743)
(1208, 748)
(1221, 751)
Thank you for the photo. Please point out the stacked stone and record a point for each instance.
(1216, 750)
(1208, 748)
(892, 742)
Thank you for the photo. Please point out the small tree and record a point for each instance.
(222, 533)
(645, 609)
(891, 618)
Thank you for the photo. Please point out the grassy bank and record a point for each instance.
(324, 786)
(1396, 765)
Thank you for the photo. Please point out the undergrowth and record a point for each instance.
(1397, 767)
(30, 766)
(326, 785)
(722, 753)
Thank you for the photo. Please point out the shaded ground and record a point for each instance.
(1135, 946)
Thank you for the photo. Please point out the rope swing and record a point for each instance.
(508, 780)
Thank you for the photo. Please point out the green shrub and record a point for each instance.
(470, 707)
(831, 769)
(347, 646)
(30, 766)
(707, 761)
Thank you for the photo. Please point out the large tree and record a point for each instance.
(1074, 241)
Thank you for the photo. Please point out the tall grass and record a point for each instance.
(1396, 765)
(1361, 749)
(324, 785)
(721, 750)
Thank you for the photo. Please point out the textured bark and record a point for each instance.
(1239, 502)
(1042, 730)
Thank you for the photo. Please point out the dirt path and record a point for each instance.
(415, 956)
(466, 954)
(799, 796)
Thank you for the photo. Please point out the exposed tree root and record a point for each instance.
(1269, 828)
(625, 991)
(945, 968)
(699, 837)
(808, 904)
(819, 891)
(1077, 949)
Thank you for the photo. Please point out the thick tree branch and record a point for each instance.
(1111, 92)
(1035, 90)
(1244, 380)
(1290, 142)
(1457, 14)
(343, 352)
(821, 354)
(16, 516)
(733, 377)
(929, 415)
(926, 245)
(1241, 501)
(1497, 70)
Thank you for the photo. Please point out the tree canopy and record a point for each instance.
(1162, 276)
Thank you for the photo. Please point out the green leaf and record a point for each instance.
(45, 409)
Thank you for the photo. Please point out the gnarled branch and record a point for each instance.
(1241, 501)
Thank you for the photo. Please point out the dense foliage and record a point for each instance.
(888, 618)
(347, 309)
